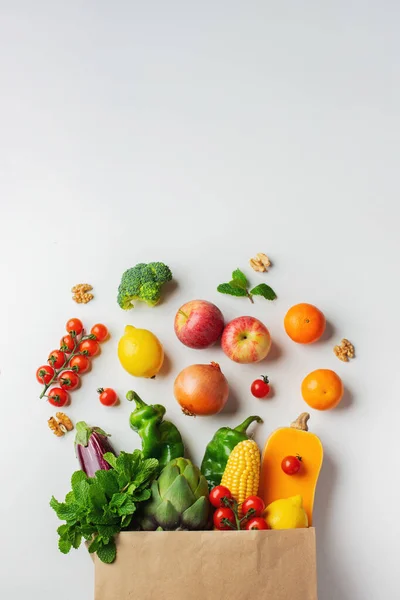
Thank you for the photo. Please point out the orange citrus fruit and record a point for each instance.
(304, 323)
(322, 389)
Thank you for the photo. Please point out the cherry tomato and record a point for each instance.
(108, 396)
(254, 504)
(256, 523)
(79, 363)
(69, 380)
(58, 397)
(89, 346)
(45, 374)
(291, 464)
(56, 359)
(74, 325)
(100, 331)
(260, 388)
(67, 343)
(223, 513)
(216, 495)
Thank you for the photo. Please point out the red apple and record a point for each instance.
(198, 324)
(246, 340)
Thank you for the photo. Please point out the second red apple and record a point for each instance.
(246, 340)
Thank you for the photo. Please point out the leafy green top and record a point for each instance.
(99, 507)
(239, 285)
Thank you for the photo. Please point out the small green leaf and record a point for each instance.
(240, 279)
(108, 481)
(97, 497)
(141, 495)
(63, 530)
(126, 521)
(77, 477)
(64, 546)
(226, 288)
(95, 544)
(88, 531)
(81, 493)
(76, 542)
(111, 459)
(263, 290)
(146, 472)
(118, 500)
(70, 497)
(107, 552)
(127, 509)
(65, 512)
(108, 531)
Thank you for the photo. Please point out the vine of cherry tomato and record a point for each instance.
(71, 358)
(291, 464)
(260, 387)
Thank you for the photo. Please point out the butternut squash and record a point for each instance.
(291, 441)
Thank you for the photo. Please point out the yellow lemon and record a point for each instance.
(140, 352)
(287, 513)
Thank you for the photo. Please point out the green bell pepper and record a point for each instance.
(160, 439)
(218, 450)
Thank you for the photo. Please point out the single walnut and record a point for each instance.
(62, 426)
(260, 262)
(344, 351)
(55, 427)
(65, 421)
(80, 292)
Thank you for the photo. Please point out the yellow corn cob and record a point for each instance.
(242, 472)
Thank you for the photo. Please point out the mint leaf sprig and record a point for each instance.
(239, 286)
(99, 507)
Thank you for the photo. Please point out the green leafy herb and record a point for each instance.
(239, 279)
(263, 290)
(99, 507)
(227, 288)
(239, 285)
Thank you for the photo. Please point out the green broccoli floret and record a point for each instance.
(143, 282)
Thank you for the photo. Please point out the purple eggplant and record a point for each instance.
(90, 445)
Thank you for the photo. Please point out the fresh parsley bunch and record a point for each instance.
(238, 286)
(99, 507)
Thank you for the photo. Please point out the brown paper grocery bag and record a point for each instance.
(210, 565)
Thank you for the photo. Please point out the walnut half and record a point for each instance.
(260, 262)
(344, 350)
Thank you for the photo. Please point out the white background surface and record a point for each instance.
(199, 134)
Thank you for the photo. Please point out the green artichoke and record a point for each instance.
(179, 499)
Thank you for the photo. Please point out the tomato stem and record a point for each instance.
(228, 522)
